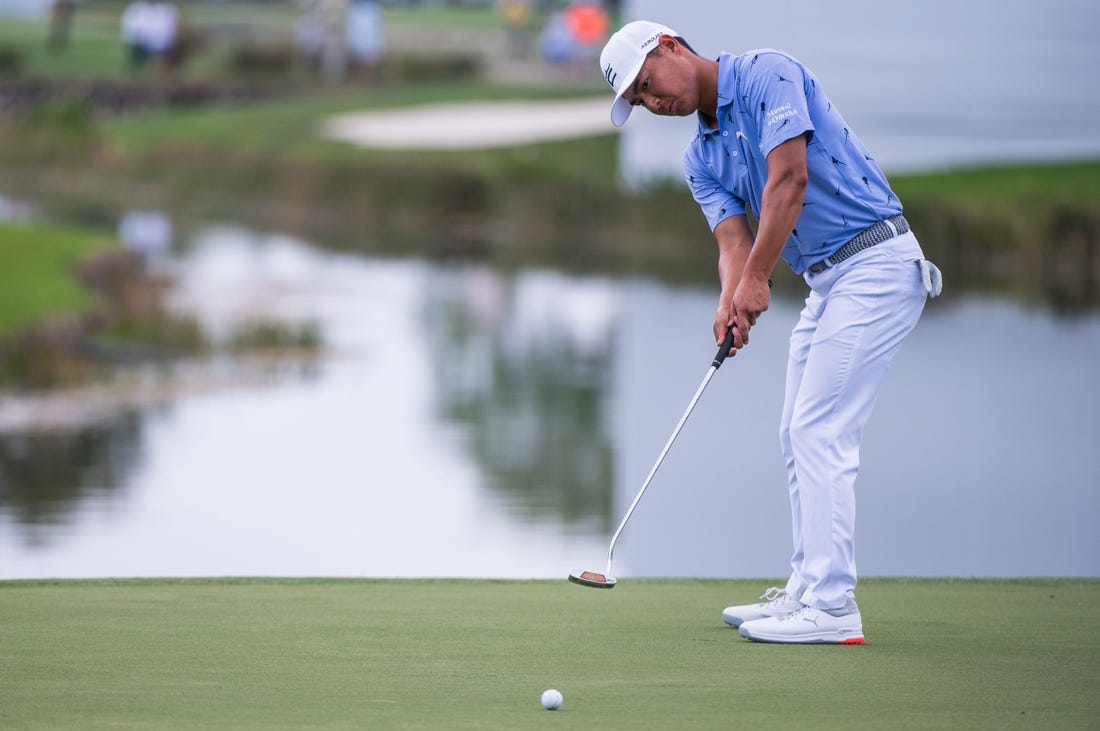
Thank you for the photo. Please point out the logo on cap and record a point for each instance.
(611, 75)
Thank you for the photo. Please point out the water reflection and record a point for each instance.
(47, 476)
(524, 364)
(349, 473)
(472, 422)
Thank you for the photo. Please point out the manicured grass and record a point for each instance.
(39, 271)
(1037, 184)
(406, 654)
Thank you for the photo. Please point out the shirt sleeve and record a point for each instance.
(714, 200)
(776, 86)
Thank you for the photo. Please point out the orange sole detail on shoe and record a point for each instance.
(851, 641)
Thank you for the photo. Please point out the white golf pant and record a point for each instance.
(855, 319)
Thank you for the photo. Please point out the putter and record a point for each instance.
(606, 580)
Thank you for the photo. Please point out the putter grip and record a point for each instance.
(723, 349)
(727, 344)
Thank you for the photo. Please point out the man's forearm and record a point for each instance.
(781, 205)
(735, 242)
(731, 265)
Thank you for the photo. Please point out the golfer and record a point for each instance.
(771, 143)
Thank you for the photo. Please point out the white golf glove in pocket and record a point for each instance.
(931, 276)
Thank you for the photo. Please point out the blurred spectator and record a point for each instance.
(133, 32)
(309, 33)
(61, 20)
(147, 233)
(364, 34)
(334, 55)
(576, 34)
(517, 16)
(322, 36)
(556, 41)
(15, 209)
(588, 23)
(161, 28)
(149, 29)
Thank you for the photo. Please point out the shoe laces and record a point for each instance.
(773, 594)
(803, 609)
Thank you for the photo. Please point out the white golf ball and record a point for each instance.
(551, 699)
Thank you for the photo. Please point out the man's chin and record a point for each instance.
(680, 109)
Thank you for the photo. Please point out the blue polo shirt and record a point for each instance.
(765, 98)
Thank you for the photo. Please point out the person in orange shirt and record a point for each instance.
(588, 23)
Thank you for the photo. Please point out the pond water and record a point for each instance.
(464, 421)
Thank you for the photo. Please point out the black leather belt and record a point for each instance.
(865, 239)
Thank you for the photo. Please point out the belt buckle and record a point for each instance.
(819, 266)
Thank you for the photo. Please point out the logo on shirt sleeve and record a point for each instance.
(779, 114)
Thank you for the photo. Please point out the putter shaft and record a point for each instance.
(723, 350)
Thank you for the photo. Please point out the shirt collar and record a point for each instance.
(726, 93)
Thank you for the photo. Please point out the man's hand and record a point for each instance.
(750, 300)
(723, 321)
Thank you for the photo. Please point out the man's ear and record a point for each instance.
(669, 43)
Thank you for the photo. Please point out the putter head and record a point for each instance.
(593, 579)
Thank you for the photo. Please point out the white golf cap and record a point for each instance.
(622, 59)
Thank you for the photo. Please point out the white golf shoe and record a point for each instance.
(807, 625)
(776, 604)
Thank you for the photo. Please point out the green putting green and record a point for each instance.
(457, 654)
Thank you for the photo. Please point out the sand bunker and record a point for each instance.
(473, 125)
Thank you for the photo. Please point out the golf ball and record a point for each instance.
(551, 699)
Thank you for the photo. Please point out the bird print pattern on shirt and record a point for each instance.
(769, 84)
(847, 178)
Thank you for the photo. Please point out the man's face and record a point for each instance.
(666, 83)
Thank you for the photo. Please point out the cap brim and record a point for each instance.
(620, 111)
(621, 108)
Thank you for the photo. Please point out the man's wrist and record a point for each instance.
(756, 275)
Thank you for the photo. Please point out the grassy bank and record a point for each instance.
(40, 266)
(74, 301)
(477, 654)
(1032, 230)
